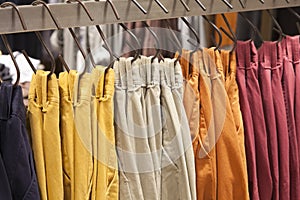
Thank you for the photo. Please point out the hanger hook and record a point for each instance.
(7, 4)
(232, 36)
(185, 5)
(277, 25)
(228, 25)
(227, 4)
(113, 8)
(83, 6)
(194, 33)
(111, 54)
(294, 13)
(242, 2)
(138, 50)
(201, 5)
(139, 6)
(254, 28)
(45, 5)
(53, 66)
(7, 46)
(156, 40)
(216, 29)
(162, 6)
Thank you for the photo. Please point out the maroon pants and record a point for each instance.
(289, 86)
(268, 60)
(281, 123)
(247, 77)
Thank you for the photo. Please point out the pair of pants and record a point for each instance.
(229, 70)
(5, 192)
(43, 112)
(75, 127)
(153, 140)
(137, 172)
(268, 60)
(288, 87)
(191, 99)
(17, 165)
(222, 143)
(177, 146)
(105, 173)
(259, 174)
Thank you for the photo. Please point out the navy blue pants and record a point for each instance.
(15, 147)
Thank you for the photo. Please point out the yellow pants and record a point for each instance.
(105, 175)
(43, 113)
(76, 136)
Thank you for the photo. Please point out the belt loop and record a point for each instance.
(42, 89)
(128, 68)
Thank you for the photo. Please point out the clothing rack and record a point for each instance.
(73, 15)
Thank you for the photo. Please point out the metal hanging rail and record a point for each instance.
(72, 15)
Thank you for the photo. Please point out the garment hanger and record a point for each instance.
(139, 46)
(111, 54)
(277, 25)
(292, 11)
(6, 4)
(52, 59)
(201, 5)
(216, 29)
(113, 8)
(227, 4)
(139, 6)
(231, 36)
(45, 5)
(194, 33)
(185, 5)
(254, 30)
(297, 17)
(75, 37)
(7, 46)
(83, 6)
(14, 6)
(157, 48)
(5, 41)
(162, 6)
(99, 28)
(175, 39)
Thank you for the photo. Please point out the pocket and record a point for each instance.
(32, 192)
(170, 178)
(125, 190)
(67, 186)
(112, 183)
